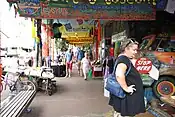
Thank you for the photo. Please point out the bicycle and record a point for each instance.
(11, 80)
(42, 77)
(15, 81)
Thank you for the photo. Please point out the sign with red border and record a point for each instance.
(143, 65)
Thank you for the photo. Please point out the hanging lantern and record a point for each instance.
(99, 31)
(111, 51)
(56, 31)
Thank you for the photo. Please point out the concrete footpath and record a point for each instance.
(75, 98)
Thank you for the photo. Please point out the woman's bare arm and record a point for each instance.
(120, 75)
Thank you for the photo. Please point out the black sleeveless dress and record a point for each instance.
(131, 104)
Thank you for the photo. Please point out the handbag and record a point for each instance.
(112, 85)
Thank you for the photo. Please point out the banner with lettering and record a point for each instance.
(70, 3)
(89, 9)
(103, 9)
(26, 11)
(29, 8)
(122, 13)
(12, 1)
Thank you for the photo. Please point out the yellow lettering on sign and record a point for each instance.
(75, 1)
(122, 1)
(108, 2)
(115, 1)
(154, 2)
(92, 1)
(138, 1)
(130, 2)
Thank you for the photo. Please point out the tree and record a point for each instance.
(61, 44)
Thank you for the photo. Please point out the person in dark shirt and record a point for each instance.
(80, 56)
(110, 64)
(132, 84)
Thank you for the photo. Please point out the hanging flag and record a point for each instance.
(37, 39)
(33, 29)
(99, 31)
(68, 26)
(62, 29)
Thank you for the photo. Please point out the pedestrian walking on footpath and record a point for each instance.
(69, 58)
(86, 65)
(80, 56)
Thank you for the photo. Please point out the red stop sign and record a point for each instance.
(143, 65)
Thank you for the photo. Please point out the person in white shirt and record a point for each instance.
(86, 65)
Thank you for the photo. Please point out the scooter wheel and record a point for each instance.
(49, 92)
(54, 87)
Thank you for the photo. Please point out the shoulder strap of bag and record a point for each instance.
(116, 63)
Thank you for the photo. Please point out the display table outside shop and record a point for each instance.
(169, 100)
(59, 70)
(97, 71)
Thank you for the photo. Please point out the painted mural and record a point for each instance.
(89, 9)
(123, 13)
(77, 25)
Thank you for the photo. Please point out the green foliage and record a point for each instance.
(87, 47)
(61, 44)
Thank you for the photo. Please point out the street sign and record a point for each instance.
(143, 65)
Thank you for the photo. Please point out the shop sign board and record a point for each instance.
(143, 65)
(70, 3)
(12, 1)
(29, 2)
(26, 11)
(106, 9)
(123, 13)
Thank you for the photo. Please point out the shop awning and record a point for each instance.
(80, 40)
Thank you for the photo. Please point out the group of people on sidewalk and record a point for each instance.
(131, 83)
(83, 62)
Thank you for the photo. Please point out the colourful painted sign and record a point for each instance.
(120, 6)
(121, 14)
(13, 1)
(100, 9)
(100, 2)
(27, 11)
(29, 3)
(89, 9)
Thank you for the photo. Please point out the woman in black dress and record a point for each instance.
(133, 103)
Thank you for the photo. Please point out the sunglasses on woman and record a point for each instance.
(133, 41)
